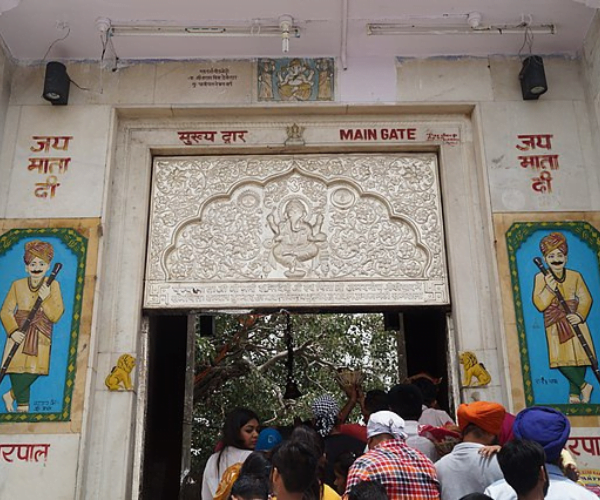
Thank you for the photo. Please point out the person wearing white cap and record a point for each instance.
(405, 473)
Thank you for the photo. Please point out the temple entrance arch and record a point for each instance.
(316, 232)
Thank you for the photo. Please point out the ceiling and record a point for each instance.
(28, 28)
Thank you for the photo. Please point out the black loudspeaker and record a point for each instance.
(56, 84)
(391, 321)
(533, 78)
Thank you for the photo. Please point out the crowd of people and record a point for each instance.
(408, 449)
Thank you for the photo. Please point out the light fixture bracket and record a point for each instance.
(470, 28)
(254, 29)
(103, 24)
(285, 23)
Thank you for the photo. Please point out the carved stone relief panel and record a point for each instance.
(322, 230)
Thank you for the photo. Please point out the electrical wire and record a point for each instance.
(527, 40)
(104, 42)
(107, 44)
(68, 28)
(114, 51)
(79, 86)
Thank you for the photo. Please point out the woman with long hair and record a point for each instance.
(240, 433)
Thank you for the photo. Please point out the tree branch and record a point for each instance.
(282, 354)
(322, 362)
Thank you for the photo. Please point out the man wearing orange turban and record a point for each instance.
(466, 470)
(564, 349)
(32, 358)
(486, 416)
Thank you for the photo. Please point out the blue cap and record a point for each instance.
(268, 439)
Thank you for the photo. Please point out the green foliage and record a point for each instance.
(251, 370)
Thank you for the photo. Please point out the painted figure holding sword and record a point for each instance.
(31, 308)
(563, 297)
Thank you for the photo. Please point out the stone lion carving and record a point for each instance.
(473, 369)
(120, 375)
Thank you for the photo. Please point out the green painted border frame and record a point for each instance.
(516, 235)
(78, 245)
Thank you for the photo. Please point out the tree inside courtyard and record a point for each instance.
(244, 364)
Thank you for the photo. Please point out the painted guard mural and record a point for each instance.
(555, 276)
(41, 288)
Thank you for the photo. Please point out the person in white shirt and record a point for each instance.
(406, 401)
(523, 465)
(432, 415)
(466, 470)
(549, 428)
(240, 434)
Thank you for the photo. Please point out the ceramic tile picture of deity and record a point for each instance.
(555, 275)
(295, 79)
(41, 287)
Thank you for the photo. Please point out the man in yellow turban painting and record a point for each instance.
(32, 358)
(564, 348)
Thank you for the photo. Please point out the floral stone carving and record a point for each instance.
(370, 220)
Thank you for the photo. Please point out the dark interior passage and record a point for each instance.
(166, 390)
(426, 346)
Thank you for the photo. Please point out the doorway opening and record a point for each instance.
(427, 348)
(163, 435)
(243, 361)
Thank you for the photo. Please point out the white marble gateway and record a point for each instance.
(322, 230)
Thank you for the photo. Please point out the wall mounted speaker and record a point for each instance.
(533, 78)
(56, 84)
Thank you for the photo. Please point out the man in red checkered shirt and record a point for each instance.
(405, 473)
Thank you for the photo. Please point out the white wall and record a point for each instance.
(591, 72)
(562, 112)
(490, 83)
(6, 67)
